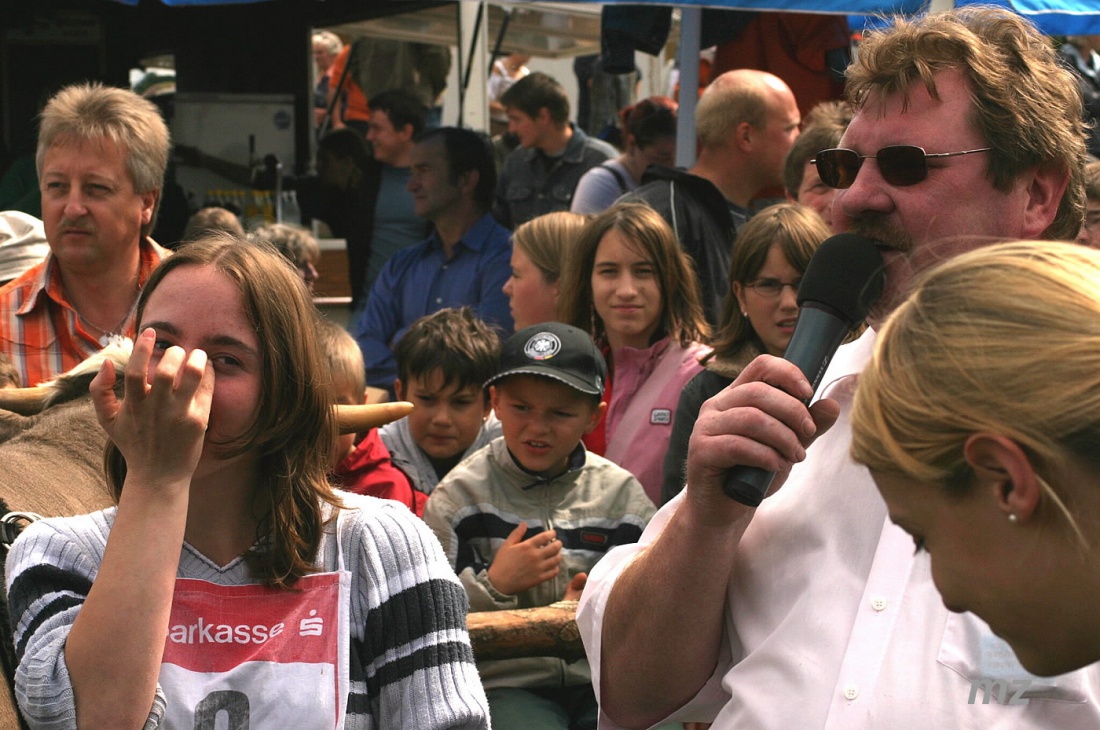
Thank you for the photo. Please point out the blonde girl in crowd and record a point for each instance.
(539, 248)
(230, 581)
(630, 285)
(979, 418)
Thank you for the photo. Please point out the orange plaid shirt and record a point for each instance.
(41, 332)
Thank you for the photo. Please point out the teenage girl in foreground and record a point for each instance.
(230, 582)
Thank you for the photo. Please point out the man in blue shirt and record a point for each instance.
(464, 262)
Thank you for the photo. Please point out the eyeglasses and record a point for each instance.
(901, 164)
(771, 288)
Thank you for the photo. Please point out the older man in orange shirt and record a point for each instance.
(101, 158)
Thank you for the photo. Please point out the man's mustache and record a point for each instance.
(67, 224)
(879, 228)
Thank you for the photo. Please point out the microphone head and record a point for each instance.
(845, 274)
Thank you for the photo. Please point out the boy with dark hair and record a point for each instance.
(524, 519)
(540, 176)
(441, 363)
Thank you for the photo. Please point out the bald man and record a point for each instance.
(745, 123)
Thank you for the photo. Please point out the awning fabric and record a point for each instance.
(1054, 17)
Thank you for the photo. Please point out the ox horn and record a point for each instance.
(24, 401)
(356, 419)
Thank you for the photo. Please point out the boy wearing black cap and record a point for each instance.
(524, 519)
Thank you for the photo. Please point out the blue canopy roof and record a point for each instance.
(1053, 17)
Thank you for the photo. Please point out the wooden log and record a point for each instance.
(526, 632)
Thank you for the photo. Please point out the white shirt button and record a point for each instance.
(439, 300)
(878, 604)
(851, 692)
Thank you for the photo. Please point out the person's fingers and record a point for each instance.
(190, 371)
(137, 369)
(547, 572)
(196, 381)
(104, 401)
(778, 373)
(543, 539)
(577, 584)
(161, 391)
(516, 535)
(768, 421)
(824, 413)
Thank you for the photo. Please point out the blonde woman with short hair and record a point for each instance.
(539, 248)
(979, 418)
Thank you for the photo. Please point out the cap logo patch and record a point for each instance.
(542, 346)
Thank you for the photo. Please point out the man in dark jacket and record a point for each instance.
(746, 122)
(540, 176)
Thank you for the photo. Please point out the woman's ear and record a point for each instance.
(739, 292)
(1001, 467)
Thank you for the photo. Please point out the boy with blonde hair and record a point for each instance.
(361, 462)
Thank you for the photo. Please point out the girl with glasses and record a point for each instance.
(769, 257)
(630, 285)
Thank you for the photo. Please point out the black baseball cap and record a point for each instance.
(554, 350)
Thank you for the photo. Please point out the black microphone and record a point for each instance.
(842, 282)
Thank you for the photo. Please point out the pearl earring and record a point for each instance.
(1013, 518)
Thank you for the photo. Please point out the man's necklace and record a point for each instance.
(108, 336)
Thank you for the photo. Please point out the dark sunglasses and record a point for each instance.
(901, 164)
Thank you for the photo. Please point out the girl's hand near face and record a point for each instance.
(114, 648)
(160, 422)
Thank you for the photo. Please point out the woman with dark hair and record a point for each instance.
(229, 577)
(631, 286)
(649, 138)
(761, 308)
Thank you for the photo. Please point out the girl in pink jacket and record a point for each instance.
(633, 288)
